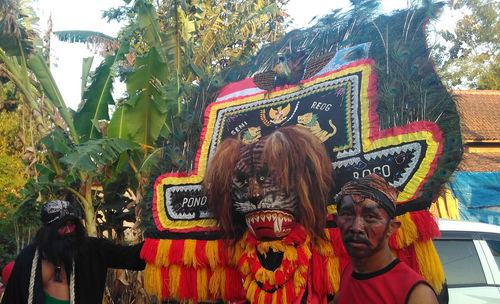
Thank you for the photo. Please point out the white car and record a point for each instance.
(470, 255)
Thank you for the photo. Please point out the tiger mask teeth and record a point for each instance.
(270, 224)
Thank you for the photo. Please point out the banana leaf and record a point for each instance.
(150, 94)
(86, 65)
(97, 98)
(38, 65)
(96, 153)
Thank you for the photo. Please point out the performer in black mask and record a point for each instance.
(64, 265)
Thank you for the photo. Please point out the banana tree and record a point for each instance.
(78, 158)
(81, 160)
(17, 42)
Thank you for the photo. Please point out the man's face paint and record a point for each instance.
(66, 227)
(363, 225)
(269, 211)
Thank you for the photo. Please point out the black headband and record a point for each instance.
(371, 193)
(55, 210)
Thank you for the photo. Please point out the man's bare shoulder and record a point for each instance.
(422, 293)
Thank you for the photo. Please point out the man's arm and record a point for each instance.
(422, 294)
(16, 289)
(120, 256)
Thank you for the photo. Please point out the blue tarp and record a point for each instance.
(478, 194)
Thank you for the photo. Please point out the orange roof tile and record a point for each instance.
(480, 114)
(480, 162)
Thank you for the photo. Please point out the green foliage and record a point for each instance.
(473, 58)
(40, 68)
(8, 251)
(12, 169)
(17, 20)
(94, 154)
(86, 66)
(97, 98)
(80, 36)
(11, 175)
(18, 229)
(151, 91)
(195, 43)
(490, 80)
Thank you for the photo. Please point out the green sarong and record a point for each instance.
(52, 300)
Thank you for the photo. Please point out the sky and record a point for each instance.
(66, 58)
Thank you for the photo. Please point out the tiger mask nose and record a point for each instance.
(255, 191)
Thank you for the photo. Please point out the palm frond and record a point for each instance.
(95, 40)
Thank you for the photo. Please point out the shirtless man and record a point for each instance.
(63, 265)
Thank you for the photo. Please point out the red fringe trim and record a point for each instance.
(165, 283)
(176, 250)
(290, 292)
(187, 288)
(301, 256)
(234, 291)
(426, 225)
(149, 249)
(254, 267)
(336, 240)
(339, 249)
(279, 277)
(296, 238)
(409, 256)
(269, 298)
(223, 254)
(393, 242)
(318, 273)
(279, 296)
(201, 255)
(256, 295)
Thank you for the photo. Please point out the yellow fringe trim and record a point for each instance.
(275, 298)
(218, 282)
(264, 275)
(202, 283)
(407, 233)
(163, 252)
(429, 264)
(248, 248)
(324, 248)
(245, 267)
(262, 297)
(252, 289)
(174, 273)
(332, 270)
(306, 247)
(152, 280)
(235, 253)
(264, 247)
(248, 281)
(297, 291)
(290, 255)
(212, 251)
(307, 250)
(298, 280)
(189, 253)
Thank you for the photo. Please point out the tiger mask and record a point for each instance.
(269, 186)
